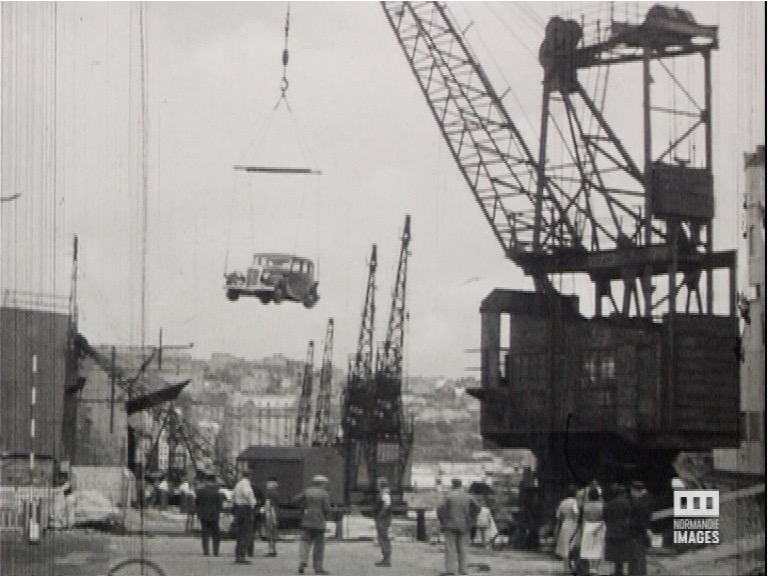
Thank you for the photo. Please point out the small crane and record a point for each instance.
(305, 400)
(322, 435)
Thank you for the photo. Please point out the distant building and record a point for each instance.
(491, 468)
(749, 458)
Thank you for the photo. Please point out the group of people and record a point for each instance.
(458, 513)
(249, 506)
(593, 525)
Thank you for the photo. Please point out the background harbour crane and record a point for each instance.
(303, 430)
(356, 399)
(324, 434)
(389, 418)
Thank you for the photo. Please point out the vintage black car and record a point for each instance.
(274, 278)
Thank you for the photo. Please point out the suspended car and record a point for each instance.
(274, 278)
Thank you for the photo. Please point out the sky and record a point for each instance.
(73, 147)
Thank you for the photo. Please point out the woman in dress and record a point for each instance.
(566, 521)
(592, 548)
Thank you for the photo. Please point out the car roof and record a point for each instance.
(278, 255)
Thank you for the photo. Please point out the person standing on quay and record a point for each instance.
(592, 549)
(639, 527)
(315, 505)
(382, 515)
(457, 513)
(256, 529)
(567, 520)
(209, 502)
(616, 514)
(271, 509)
(243, 502)
(162, 493)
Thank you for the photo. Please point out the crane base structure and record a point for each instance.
(611, 399)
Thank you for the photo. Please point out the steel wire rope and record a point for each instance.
(14, 43)
(238, 181)
(489, 53)
(304, 149)
(35, 234)
(17, 52)
(53, 46)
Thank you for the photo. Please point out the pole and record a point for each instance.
(112, 395)
(33, 522)
(33, 401)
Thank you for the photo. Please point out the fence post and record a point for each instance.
(421, 525)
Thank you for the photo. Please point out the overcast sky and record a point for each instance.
(356, 114)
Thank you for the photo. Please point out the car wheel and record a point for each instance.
(264, 299)
(310, 299)
(279, 294)
(233, 295)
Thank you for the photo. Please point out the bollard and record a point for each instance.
(339, 520)
(34, 522)
(421, 525)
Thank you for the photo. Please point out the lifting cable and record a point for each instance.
(283, 98)
(284, 81)
(278, 170)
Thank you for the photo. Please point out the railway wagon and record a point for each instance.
(294, 467)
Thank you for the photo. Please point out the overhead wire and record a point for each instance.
(521, 109)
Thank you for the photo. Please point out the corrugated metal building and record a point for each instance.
(33, 353)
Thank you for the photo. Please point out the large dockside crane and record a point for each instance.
(618, 395)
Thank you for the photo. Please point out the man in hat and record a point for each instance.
(271, 508)
(315, 505)
(382, 515)
(243, 501)
(457, 514)
(616, 515)
(209, 501)
(639, 527)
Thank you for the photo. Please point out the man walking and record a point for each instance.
(243, 502)
(457, 513)
(382, 515)
(209, 502)
(271, 509)
(315, 505)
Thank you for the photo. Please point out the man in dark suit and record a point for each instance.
(243, 502)
(315, 505)
(209, 502)
(639, 527)
(457, 514)
(616, 515)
